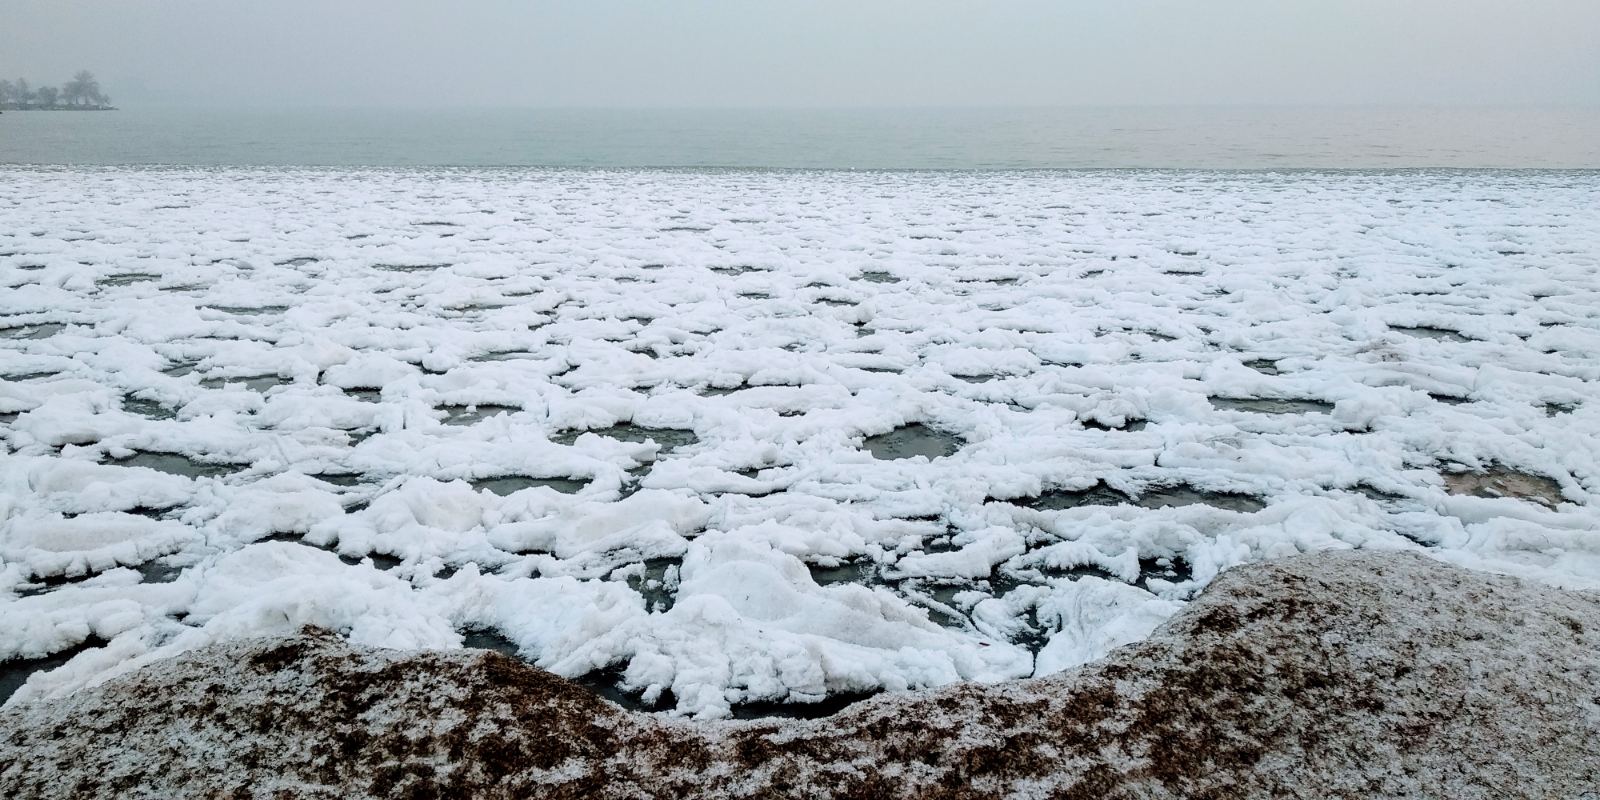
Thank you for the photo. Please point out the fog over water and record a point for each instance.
(721, 53)
(942, 84)
(1084, 137)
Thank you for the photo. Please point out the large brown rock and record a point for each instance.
(1334, 675)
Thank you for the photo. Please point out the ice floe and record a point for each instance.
(733, 438)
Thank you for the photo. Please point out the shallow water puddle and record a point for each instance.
(1427, 332)
(505, 355)
(508, 484)
(876, 276)
(14, 673)
(365, 394)
(409, 267)
(380, 561)
(343, 479)
(827, 707)
(910, 441)
(249, 311)
(127, 279)
(255, 383)
(605, 682)
(1555, 409)
(942, 594)
(30, 376)
(1263, 366)
(485, 639)
(1174, 570)
(43, 330)
(735, 270)
(1033, 636)
(158, 571)
(467, 415)
(44, 584)
(297, 262)
(1131, 426)
(1375, 494)
(754, 472)
(862, 572)
(1073, 572)
(657, 583)
(1504, 482)
(1097, 495)
(1154, 498)
(1177, 496)
(175, 464)
(359, 435)
(1449, 399)
(1256, 405)
(669, 439)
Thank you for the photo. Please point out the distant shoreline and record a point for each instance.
(15, 107)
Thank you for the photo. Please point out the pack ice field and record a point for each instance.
(724, 441)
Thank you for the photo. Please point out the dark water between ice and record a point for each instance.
(1175, 137)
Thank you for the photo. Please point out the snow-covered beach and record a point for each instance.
(642, 426)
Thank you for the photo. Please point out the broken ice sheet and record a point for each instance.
(386, 334)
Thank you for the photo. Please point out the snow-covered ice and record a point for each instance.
(735, 437)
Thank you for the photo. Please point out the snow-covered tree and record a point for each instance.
(83, 88)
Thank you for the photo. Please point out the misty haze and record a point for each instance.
(709, 399)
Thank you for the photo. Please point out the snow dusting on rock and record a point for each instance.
(1369, 674)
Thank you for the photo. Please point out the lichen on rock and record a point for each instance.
(1355, 674)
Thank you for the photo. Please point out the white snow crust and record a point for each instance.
(342, 355)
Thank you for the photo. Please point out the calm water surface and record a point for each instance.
(1242, 138)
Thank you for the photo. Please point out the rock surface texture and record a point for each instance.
(1356, 674)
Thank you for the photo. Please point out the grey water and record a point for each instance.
(1023, 138)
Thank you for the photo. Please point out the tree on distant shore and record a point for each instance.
(83, 89)
(82, 92)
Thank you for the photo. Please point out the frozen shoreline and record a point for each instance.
(1329, 675)
(1145, 377)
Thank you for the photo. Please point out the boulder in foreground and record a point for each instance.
(1364, 674)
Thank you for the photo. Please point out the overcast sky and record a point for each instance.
(736, 53)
